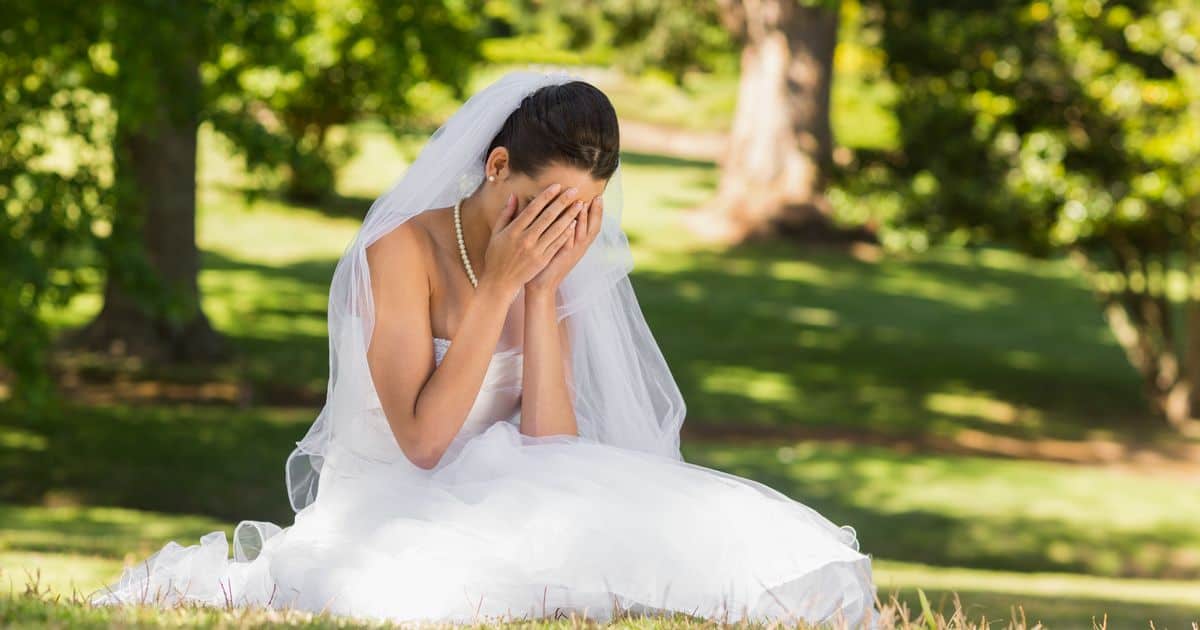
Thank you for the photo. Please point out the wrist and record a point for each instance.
(538, 295)
(491, 290)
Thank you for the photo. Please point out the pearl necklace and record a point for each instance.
(462, 246)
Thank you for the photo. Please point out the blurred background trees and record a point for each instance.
(346, 61)
(145, 63)
(47, 211)
(780, 149)
(1058, 126)
(1065, 126)
(103, 107)
(1001, 383)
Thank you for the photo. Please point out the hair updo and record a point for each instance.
(572, 124)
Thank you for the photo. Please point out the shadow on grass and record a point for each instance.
(982, 512)
(215, 461)
(774, 336)
(277, 324)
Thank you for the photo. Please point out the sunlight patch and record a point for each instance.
(11, 438)
(756, 384)
(981, 407)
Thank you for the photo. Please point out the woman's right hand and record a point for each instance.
(520, 247)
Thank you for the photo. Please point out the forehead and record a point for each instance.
(570, 177)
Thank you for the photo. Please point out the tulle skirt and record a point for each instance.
(514, 527)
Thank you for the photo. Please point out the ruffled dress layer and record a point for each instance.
(509, 526)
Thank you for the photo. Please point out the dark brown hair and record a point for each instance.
(572, 124)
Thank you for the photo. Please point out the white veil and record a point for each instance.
(624, 393)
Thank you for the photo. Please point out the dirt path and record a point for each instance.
(687, 144)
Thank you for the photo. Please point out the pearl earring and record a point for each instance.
(491, 178)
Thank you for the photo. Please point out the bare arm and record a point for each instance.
(425, 405)
(546, 405)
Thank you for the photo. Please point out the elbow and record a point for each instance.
(421, 449)
(422, 453)
(423, 458)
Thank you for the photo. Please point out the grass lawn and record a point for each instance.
(770, 344)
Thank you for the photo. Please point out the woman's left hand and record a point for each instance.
(584, 232)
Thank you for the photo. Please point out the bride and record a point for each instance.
(500, 437)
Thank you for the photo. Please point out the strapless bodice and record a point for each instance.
(499, 396)
(367, 432)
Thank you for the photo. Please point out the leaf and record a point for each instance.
(927, 611)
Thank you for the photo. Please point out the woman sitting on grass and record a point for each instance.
(501, 433)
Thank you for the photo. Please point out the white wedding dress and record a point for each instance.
(511, 527)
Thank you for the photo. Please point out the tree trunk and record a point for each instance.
(1141, 323)
(774, 172)
(1167, 390)
(1191, 305)
(151, 295)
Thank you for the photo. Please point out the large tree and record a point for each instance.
(149, 59)
(98, 146)
(778, 161)
(774, 172)
(1066, 126)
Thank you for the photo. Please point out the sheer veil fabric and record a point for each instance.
(625, 394)
(508, 526)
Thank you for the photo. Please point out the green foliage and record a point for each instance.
(1058, 125)
(1052, 124)
(78, 80)
(54, 176)
(346, 60)
(77, 77)
(636, 36)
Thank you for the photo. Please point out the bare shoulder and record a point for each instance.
(404, 239)
(401, 254)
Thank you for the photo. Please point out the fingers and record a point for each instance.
(552, 212)
(595, 216)
(532, 210)
(506, 215)
(561, 241)
(562, 224)
(580, 227)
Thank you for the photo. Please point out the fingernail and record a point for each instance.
(511, 196)
(578, 206)
(572, 191)
(555, 187)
